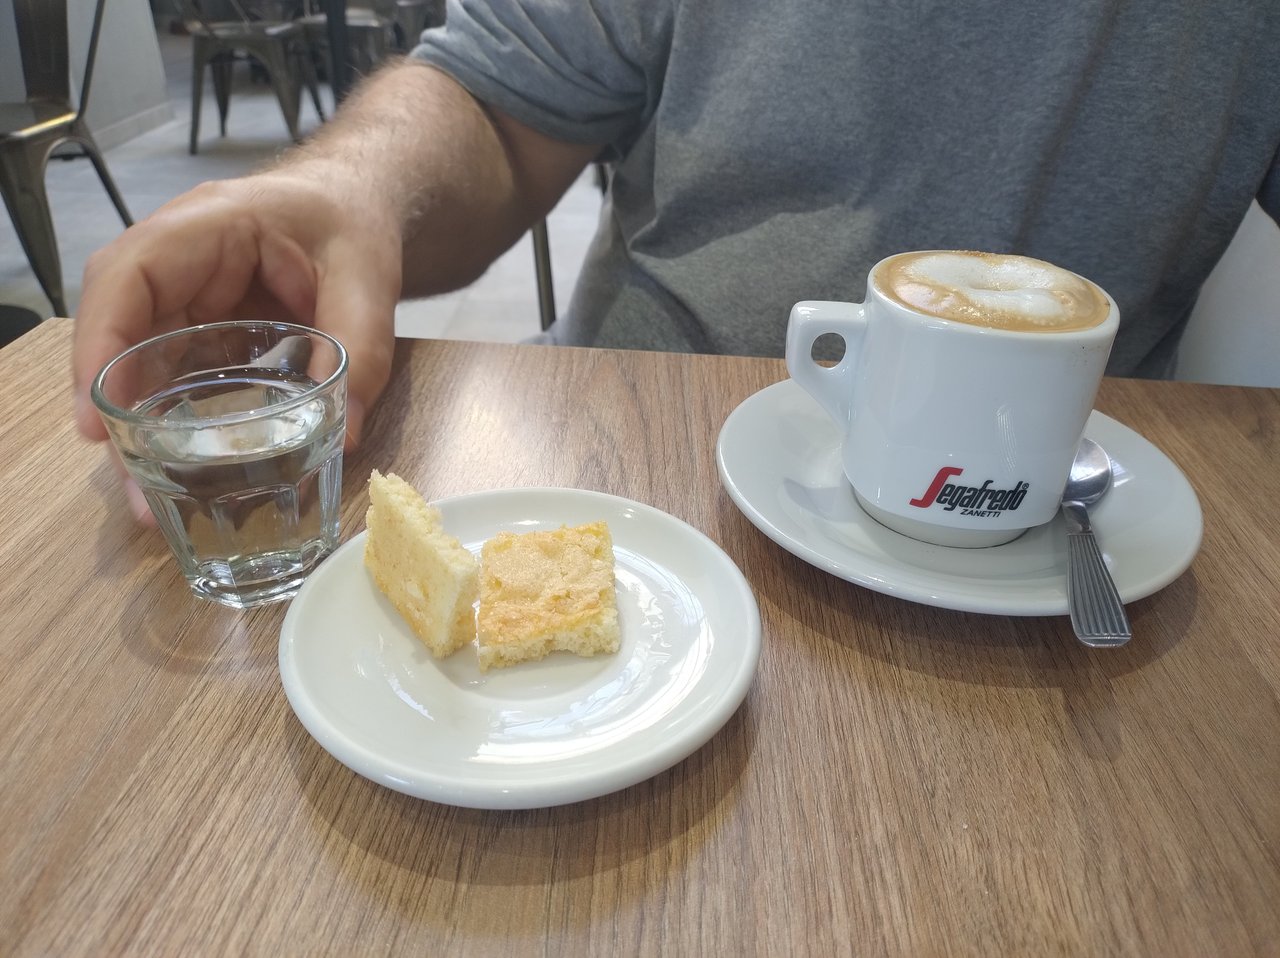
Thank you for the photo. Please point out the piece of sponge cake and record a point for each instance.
(543, 592)
(427, 574)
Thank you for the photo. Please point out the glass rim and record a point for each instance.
(117, 413)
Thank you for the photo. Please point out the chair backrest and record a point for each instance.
(43, 41)
(193, 11)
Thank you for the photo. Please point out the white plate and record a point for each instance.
(539, 733)
(779, 460)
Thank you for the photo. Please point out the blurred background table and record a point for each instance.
(900, 780)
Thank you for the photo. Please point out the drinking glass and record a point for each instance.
(234, 433)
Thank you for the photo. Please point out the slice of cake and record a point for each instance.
(425, 572)
(543, 592)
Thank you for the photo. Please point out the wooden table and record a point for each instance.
(900, 780)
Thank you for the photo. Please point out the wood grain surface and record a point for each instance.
(901, 779)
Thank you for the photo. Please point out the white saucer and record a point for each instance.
(540, 733)
(779, 460)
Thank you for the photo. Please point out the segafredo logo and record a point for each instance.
(981, 501)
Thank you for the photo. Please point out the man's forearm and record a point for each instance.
(460, 184)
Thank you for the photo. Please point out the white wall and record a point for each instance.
(1234, 334)
(128, 95)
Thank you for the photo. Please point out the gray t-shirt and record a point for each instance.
(766, 153)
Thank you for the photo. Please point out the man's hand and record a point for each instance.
(273, 246)
(414, 180)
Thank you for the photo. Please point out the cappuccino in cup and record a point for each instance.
(964, 389)
(999, 291)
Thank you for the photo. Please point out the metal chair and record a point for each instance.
(278, 46)
(371, 36)
(31, 129)
(542, 257)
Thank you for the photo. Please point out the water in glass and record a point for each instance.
(249, 508)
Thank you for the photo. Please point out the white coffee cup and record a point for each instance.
(963, 391)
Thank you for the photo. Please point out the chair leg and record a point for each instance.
(308, 71)
(542, 270)
(369, 48)
(221, 67)
(197, 93)
(377, 47)
(82, 137)
(285, 83)
(22, 168)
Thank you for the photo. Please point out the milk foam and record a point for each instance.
(988, 289)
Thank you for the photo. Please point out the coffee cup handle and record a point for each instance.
(831, 386)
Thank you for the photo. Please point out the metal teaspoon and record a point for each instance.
(1097, 614)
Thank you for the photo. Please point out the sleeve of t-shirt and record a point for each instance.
(583, 71)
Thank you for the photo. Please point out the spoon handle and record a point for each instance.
(1097, 614)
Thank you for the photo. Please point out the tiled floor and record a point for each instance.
(155, 167)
